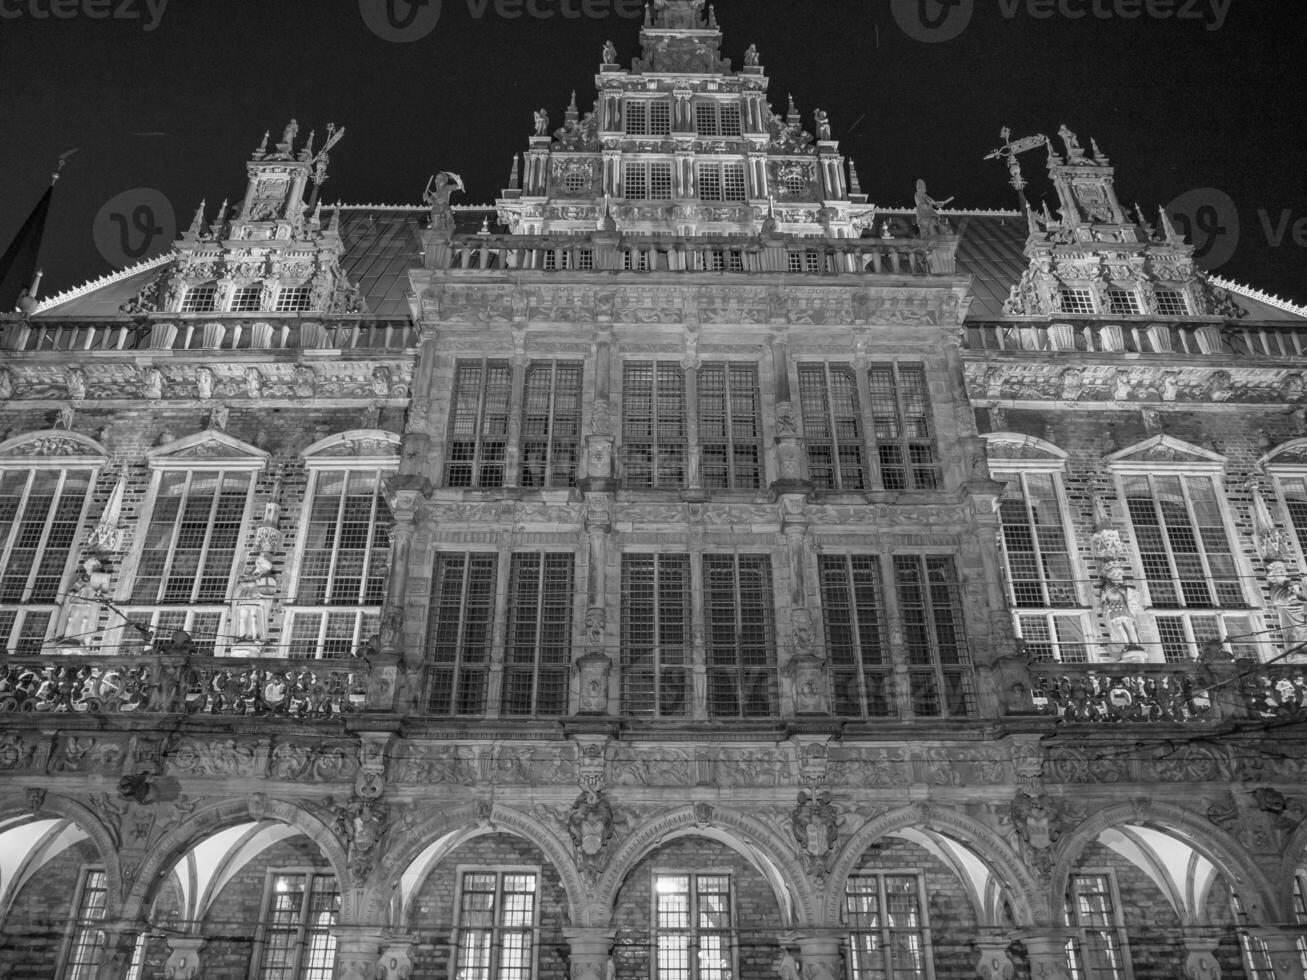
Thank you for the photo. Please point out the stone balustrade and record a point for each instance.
(1139, 336)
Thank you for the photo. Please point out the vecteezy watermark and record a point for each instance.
(934, 21)
(133, 226)
(150, 12)
(1209, 221)
(405, 21)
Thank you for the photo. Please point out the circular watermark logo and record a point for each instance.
(932, 21)
(133, 226)
(401, 21)
(1209, 221)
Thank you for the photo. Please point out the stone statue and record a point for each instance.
(823, 125)
(1120, 606)
(79, 616)
(751, 58)
(204, 381)
(929, 223)
(291, 131)
(440, 188)
(254, 595)
(542, 122)
(1074, 151)
(610, 53)
(1288, 596)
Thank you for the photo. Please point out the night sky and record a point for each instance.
(1211, 99)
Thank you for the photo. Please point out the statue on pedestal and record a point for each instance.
(254, 595)
(440, 188)
(929, 223)
(79, 616)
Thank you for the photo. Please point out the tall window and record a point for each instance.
(1187, 561)
(343, 567)
(1040, 574)
(478, 424)
(497, 920)
(551, 423)
(886, 920)
(930, 605)
(1256, 955)
(539, 654)
(646, 181)
(647, 117)
(717, 118)
(86, 941)
(730, 426)
(905, 438)
(1293, 488)
(739, 610)
(721, 181)
(692, 926)
(459, 633)
(656, 635)
(40, 512)
(1098, 952)
(1300, 912)
(853, 607)
(832, 427)
(299, 910)
(653, 424)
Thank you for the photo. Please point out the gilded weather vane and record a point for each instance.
(1009, 151)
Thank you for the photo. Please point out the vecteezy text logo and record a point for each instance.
(150, 12)
(932, 21)
(133, 226)
(1213, 12)
(401, 21)
(1209, 221)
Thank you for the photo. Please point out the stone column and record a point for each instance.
(994, 962)
(1200, 962)
(119, 944)
(358, 952)
(693, 474)
(184, 957)
(396, 961)
(517, 391)
(1282, 947)
(820, 955)
(790, 471)
(589, 952)
(1046, 949)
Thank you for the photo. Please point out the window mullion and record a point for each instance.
(24, 500)
(1197, 531)
(39, 555)
(173, 537)
(336, 528)
(1165, 534)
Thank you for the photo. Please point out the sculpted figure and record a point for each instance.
(1120, 605)
(929, 222)
(80, 614)
(542, 122)
(751, 58)
(823, 125)
(254, 595)
(440, 188)
(610, 53)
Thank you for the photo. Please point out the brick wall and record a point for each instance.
(37, 926)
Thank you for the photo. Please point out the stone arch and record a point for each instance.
(101, 836)
(476, 818)
(772, 856)
(1029, 904)
(1009, 447)
(170, 848)
(1292, 453)
(1295, 857)
(58, 447)
(345, 446)
(1230, 857)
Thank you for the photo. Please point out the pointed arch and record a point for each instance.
(771, 856)
(1230, 858)
(1030, 906)
(449, 828)
(174, 845)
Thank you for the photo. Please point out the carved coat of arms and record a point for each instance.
(816, 827)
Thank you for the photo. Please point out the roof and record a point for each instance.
(383, 242)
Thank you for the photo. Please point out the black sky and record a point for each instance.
(1176, 105)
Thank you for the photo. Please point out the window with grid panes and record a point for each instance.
(343, 565)
(1186, 637)
(1253, 949)
(299, 910)
(247, 299)
(635, 260)
(1300, 912)
(730, 426)
(40, 513)
(693, 937)
(648, 117)
(656, 624)
(905, 433)
(294, 299)
(188, 554)
(459, 632)
(832, 426)
(930, 604)
(1293, 491)
(653, 425)
(200, 299)
(81, 959)
(1078, 301)
(1098, 951)
(1123, 302)
(717, 118)
(538, 657)
(740, 635)
(551, 423)
(888, 938)
(1170, 302)
(647, 180)
(496, 926)
(478, 424)
(857, 645)
(720, 181)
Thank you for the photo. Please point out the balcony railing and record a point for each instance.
(207, 331)
(1174, 694)
(296, 689)
(1192, 339)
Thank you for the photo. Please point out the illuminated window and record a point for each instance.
(656, 623)
(654, 425)
(1256, 955)
(537, 661)
(86, 941)
(299, 910)
(693, 926)
(832, 426)
(478, 424)
(1098, 952)
(739, 616)
(888, 938)
(496, 927)
(551, 424)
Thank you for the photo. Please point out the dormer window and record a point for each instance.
(247, 299)
(648, 117)
(1076, 301)
(1123, 302)
(1170, 302)
(293, 299)
(717, 118)
(200, 299)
